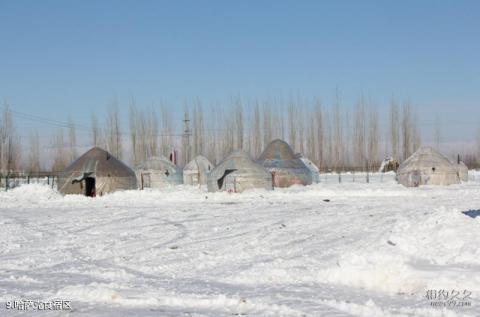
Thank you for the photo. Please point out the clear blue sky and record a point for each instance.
(71, 57)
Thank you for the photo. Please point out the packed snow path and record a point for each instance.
(321, 250)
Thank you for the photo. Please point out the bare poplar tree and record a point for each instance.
(152, 132)
(329, 157)
(267, 123)
(114, 137)
(10, 148)
(300, 124)
(311, 142)
(238, 119)
(338, 145)
(195, 126)
(292, 124)
(133, 127)
(186, 146)
(142, 137)
(198, 129)
(221, 133)
(72, 140)
(373, 137)
(212, 137)
(320, 134)
(257, 141)
(96, 134)
(140, 127)
(279, 120)
(34, 153)
(60, 155)
(227, 134)
(359, 134)
(394, 130)
(417, 136)
(407, 138)
(166, 144)
(201, 129)
(347, 135)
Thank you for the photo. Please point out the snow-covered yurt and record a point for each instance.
(237, 173)
(314, 170)
(427, 166)
(195, 172)
(157, 172)
(286, 168)
(95, 173)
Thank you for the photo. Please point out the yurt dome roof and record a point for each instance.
(156, 163)
(427, 157)
(198, 163)
(100, 162)
(278, 154)
(239, 160)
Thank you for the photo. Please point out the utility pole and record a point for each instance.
(186, 139)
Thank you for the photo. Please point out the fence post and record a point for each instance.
(6, 182)
(273, 180)
(368, 175)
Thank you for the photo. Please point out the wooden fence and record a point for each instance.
(11, 180)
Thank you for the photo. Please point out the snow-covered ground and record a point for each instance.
(349, 249)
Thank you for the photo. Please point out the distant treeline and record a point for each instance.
(334, 137)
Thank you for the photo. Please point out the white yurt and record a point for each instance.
(157, 172)
(95, 173)
(287, 169)
(427, 166)
(237, 173)
(196, 171)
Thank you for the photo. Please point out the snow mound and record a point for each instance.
(29, 194)
(108, 293)
(404, 259)
(93, 292)
(442, 237)
(371, 309)
(377, 272)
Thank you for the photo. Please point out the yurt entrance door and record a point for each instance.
(230, 184)
(90, 186)
(145, 178)
(227, 181)
(196, 178)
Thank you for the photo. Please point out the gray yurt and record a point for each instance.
(237, 173)
(195, 172)
(95, 173)
(427, 166)
(157, 172)
(286, 168)
(314, 171)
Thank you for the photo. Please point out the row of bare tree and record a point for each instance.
(10, 150)
(335, 137)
